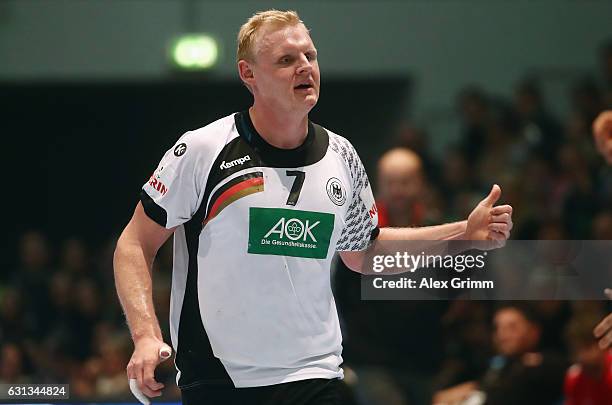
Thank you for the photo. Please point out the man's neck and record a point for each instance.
(284, 131)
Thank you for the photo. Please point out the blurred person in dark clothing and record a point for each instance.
(32, 278)
(586, 98)
(576, 189)
(501, 153)
(88, 313)
(85, 270)
(74, 256)
(553, 316)
(75, 261)
(602, 226)
(578, 134)
(520, 373)
(457, 183)
(16, 324)
(417, 140)
(12, 367)
(473, 106)
(83, 379)
(539, 128)
(589, 380)
(467, 344)
(114, 354)
(55, 354)
(531, 195)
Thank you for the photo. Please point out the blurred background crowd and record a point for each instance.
(544, 352)
(60, 320)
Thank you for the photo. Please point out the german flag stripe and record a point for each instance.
(235, 189)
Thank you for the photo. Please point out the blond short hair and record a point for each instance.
(247, 35)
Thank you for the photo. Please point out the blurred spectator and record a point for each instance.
(575, 185)
(498, 160)
(418, 140)
(586, 98)
(33, 276)
(114, 355)
(74, 259)
(401, 189)
(553, 316)
(12, 370)
(578, 134)
(473, 106)
(88, 313)
(589, 380)
(539, 128)
(602, 226)
(457, 185)
(53, 356)
(16, 323)
(467, 346)
(83, 379)
(65, 324)
(520, 373)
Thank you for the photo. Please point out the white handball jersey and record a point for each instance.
(257, 228)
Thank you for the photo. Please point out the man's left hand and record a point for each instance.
(487, 222)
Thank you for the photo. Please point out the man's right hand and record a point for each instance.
(148, 353)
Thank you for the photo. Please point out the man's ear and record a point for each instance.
(246, 73)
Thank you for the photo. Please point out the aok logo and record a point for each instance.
(294, 229)
(286, 232)
(235, 162)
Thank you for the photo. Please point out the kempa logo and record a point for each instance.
(180, 149)
(236, 162)
(286, 232)
(293, 229)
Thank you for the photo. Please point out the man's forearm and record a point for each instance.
(452, 231)
(134, 288)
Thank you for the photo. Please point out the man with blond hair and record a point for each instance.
(259, 202)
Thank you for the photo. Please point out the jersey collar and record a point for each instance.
(311, 151)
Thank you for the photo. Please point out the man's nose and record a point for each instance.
(304, 66)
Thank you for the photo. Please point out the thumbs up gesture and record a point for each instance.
(487, 222)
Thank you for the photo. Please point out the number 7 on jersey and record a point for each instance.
(294, 194)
